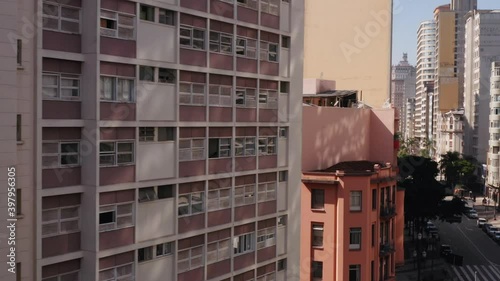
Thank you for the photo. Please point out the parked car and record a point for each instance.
(434, 234)
(496, 236)
(445, 250)
(472, 214)
(492, 230)
(430, 228)
(481, 222)
(486, 227)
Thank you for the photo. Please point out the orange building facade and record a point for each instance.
(352, 211)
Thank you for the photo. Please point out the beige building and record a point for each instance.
(358, 55)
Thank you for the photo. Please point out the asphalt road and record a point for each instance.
(469, 241)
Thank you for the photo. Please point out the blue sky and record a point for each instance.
(407, 16)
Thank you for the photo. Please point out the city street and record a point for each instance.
(481, 254)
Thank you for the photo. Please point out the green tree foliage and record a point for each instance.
(457, 168)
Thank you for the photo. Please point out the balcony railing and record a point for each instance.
(387, 211)
(386, 248)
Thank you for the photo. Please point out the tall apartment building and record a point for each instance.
(402, 87)
(153, 138)
(345, 55)
(426, 45)
(451, 130)
(352, 212)
(482, 47)
(492, 181)
(446, 82)
(409, 116)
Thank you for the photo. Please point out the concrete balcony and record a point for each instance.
(386, 248)
(387, 212)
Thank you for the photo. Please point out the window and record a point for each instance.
(191, 149)
(59, 221)
(244, 146)
(60, 154)
(246, 47)
(191, 203)
(374, 199)
(166, 75)
(245, 98)
(166, 17)
(189, 259)
(317, 235)
(282, 221)
(285, 41)
(267, 191)
(117, 89)
(147, 13)
(116, 153)
(220, 95)
(152, 252)
(243, 243)
(317, 270)
(219, 199)
(268, 99)
(355, 238)
(61, 17)
(192, 37)
(373, 235)
(266, 237)
(117, 25)
(244, 195)
(355, 272)
(252, 4)
(317, 199)
(218, 251)
(121, 272)
(355, 201)
(60, 86)
(281, 264)
(19, 200)
(269, 277)
(221, 42)
(72, 276)
(283, 132)
(267, 145)
(191, 93)
(155, 192)
(219, 148)
(268, 51)
(164, 249)
(145, 254)
(151, 134)
(270, 7)
(19, 55)
(117, 216)
(283, 176)
(284, 87)
(19, 123)
(146, 73)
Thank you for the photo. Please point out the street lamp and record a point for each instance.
(475, 275)
(419, 237)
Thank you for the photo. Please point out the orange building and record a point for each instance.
(352, 211)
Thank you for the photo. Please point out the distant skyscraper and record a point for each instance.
(492, 182)
(426, 44)
(482, 46)
(409, 119)
(403, 87)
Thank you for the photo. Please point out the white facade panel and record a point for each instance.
(156, 42)
(156, 102)
(155, 160)
(155, 219)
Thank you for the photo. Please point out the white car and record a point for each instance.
(473, 214)
(481, 222)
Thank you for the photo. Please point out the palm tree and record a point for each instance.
(449, 165)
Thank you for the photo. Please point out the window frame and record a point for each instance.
(116, 80)
(60, 17)
(247, 50)
(315, 265)
(155, 193)
(266, 53)
(115, 153)
(190, 257)
(167, 249)
(115, 272)
(60, 154)
(276, 5)
(244, 144)
(249, 99)
(266, 237)
(269, 189)
(118, 25)
(174, 16)
(314, 197)
(214, 203)
(317, 228)
(59, 87)
(59, 221)
(356, 268)
(191, 37)
(268, 99)
(59, 277)
(141, 14)
(355, 195)
(267, 145)
(103, 227)
(219, 44)
(226, 147)
(220, 94)
(355, 233)
(217, 251)
(245, 3)
(247, 196)
(155, 136)
(192, 94)
(242, 245)
(191, 150)
(189, 204)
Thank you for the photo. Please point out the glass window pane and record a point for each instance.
(107, 147)
(125, 147)
(51, 10)
(50, 215)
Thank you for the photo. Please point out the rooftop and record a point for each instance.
(354, 167)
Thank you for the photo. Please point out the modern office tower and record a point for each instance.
(153, 138)
(409, 119)
(492, 180)
(446, 91)
(346, 55)
(426, 45)
(402, 86)
(451, 129)
(482, 46)
(352, 212)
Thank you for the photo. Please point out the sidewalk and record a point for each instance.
(428, 271)
(485, 210)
